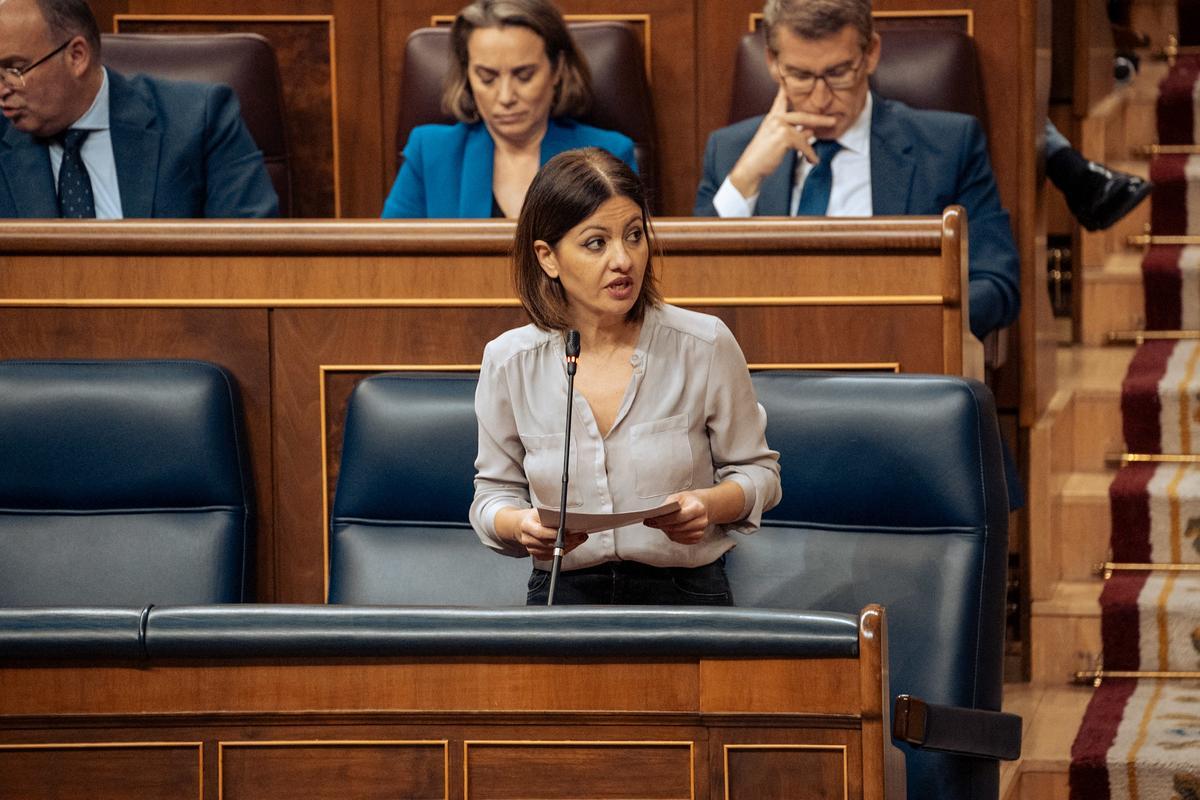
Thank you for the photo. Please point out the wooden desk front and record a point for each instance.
(686, 728)
(299, 311)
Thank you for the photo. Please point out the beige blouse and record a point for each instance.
(689, 419)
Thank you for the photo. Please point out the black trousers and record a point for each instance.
(633, 583)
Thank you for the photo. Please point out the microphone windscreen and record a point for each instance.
(572, 344)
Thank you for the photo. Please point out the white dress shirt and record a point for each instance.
(97, 155)
(850, 195)
(689, 420)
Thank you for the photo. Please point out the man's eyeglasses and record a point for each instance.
(838, 79)
(14, 77)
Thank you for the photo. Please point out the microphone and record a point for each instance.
(560, 540)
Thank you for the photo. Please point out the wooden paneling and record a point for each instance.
(235, 339)
(603, 726)
(1093, 55)
(800, 772)
(298, 311)
(333, 770)
(548, 770)
(788, 685)
(109, 771)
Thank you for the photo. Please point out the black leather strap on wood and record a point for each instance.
(951, 729)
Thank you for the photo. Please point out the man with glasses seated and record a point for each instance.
(830, 147)
(79, 140)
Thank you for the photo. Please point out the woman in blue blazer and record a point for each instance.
(515, 82)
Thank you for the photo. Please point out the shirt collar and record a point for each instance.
(858, 136)
(96, 117)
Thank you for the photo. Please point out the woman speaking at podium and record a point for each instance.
(663, 407)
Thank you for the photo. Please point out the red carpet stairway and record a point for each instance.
(1140, 738)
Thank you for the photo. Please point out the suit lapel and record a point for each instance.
(25, 164)
(892, 163)
(775, 193)
(475, 186)
(135, 143)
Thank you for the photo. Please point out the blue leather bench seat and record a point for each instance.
(122, 483)
(298, 631)
(72, 633)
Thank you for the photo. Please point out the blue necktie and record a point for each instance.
(75, 199)
(814, 197)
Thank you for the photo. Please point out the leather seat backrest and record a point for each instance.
(924, 67)
(399, 532)
(621, 101)
(243, 61)
(122, 483)
(893, 493)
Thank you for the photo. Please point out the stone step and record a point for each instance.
(1113, 299)
(1092, 376)
(1065, 632)
(1083, 524)
(1051, 716)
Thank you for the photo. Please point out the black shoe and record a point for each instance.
(1105, 196)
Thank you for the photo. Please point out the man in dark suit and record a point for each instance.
(828, 146)
(78, 140)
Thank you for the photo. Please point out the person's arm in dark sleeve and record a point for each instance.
(236, 179)
(994, 277)
(710, 181)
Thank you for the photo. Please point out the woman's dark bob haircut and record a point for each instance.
(568, 190)
(572, 94)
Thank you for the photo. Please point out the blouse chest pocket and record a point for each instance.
(662, 456)
(543, 470)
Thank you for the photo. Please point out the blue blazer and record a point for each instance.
(447, 172)
(181, 150)
(921, 162)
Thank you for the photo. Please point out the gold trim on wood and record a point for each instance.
(1167, 149)
(691, 746)
(1141, 337)
(119, 745)
(453, 302)
(787, 236)
(969, 13)
(441, 20)
(445, 743)
(330, 23)
(1147, 240)
(1107, 568)
(808, 300)
(265, 302)
(772, 746)
(848, 366)
(1096, 677)
(1121, 459)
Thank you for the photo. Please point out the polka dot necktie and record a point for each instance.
(75, 199)
(814, 197)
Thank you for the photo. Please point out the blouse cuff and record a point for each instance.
(748, 521)
(487, 517)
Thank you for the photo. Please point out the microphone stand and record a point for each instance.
(560, 540)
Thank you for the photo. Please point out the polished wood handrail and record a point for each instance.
(350, 237)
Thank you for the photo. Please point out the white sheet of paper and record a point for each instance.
(585, 522)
